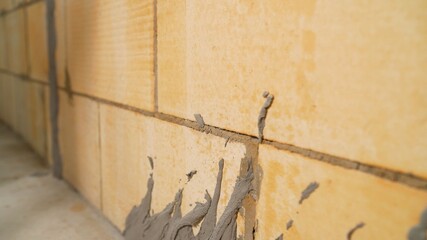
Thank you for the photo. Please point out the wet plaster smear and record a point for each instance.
(169, 224)
(419, 232)
(263, 114)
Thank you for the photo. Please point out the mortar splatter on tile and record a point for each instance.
(308, 191)
(354, 229)
(140, 224)
(419, 232)
(263, 114)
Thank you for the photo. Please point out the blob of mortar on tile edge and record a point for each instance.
(199, 120)
(263, 114)
(419, 231)
(289, 224)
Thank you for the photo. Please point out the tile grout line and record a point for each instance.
(384, 173)
(46, 144)
(54, 98)
(100, 158)
(24, 77)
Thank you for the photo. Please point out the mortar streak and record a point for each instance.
(53, 83)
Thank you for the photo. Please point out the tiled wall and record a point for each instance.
(349, 109)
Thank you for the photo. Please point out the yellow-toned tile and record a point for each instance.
(110, 50)
(37, 42)
(79, 145)
(343, 199)
(348, 77)
(128, 138)
(17, 61)
(3, 44)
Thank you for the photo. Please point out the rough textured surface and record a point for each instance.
(22, 108)
(341, 87)
(80, 147)
(350, 93)
(110, 50)
(225, 228)
(37, 43)
(61, 31)
(53, 212)
(141, 225)
(49, 157)
(35, 205)
(210, 219)
(16, 158)
(344, 198)
(176, 150)
(17, 61)
(263, 114)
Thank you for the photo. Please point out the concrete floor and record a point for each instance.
(34, 205)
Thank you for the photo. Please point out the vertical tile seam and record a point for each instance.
(155, 66)
(45, 126)
(54, 99)
(101, 192)
(250, 203)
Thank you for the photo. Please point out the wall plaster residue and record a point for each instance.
(169, 224)
(263, 114)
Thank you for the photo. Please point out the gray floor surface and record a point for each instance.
(34, 205)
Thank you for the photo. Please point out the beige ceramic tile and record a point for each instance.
(5, 5)
(3, 42)
(48, 125)
(60, 18)
(348, 77)
(35, 100)
(16, 42)
(37, 42)
(8, 103)
(343, 199)
(4, 102)
(30, 114)
(79, 145)
(110, 50)
(128, 138)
